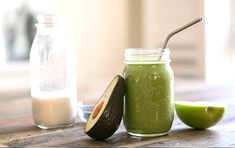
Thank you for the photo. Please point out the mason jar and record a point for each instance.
(149, 92)
(53, 75)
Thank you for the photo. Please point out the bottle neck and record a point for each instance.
(146, 56)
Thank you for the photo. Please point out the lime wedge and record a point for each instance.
(199, 115)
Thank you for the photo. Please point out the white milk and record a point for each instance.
(53, 112)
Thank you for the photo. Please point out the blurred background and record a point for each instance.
(102, 30)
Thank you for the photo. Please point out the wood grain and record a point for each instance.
(17, 128)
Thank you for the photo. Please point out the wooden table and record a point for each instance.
(17, 128)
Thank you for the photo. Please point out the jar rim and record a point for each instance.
(144, 51)
(146, 56)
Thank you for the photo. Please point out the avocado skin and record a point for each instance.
(111, 117)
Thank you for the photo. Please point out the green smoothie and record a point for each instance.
(149, 104)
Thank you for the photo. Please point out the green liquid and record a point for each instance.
(149, 93)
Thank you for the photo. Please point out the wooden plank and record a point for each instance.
(1, 145)
(179, 136)
(17, 129)
(38, 136)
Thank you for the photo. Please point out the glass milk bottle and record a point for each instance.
(53, 75)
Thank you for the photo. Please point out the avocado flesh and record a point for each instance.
(109, 117)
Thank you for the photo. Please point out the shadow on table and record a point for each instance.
(180, 137)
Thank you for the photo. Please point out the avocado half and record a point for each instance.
(106, 116)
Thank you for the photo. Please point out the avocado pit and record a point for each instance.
(97, 110)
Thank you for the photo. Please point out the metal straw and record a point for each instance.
(178, 30)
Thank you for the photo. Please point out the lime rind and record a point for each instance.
(199, 115)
